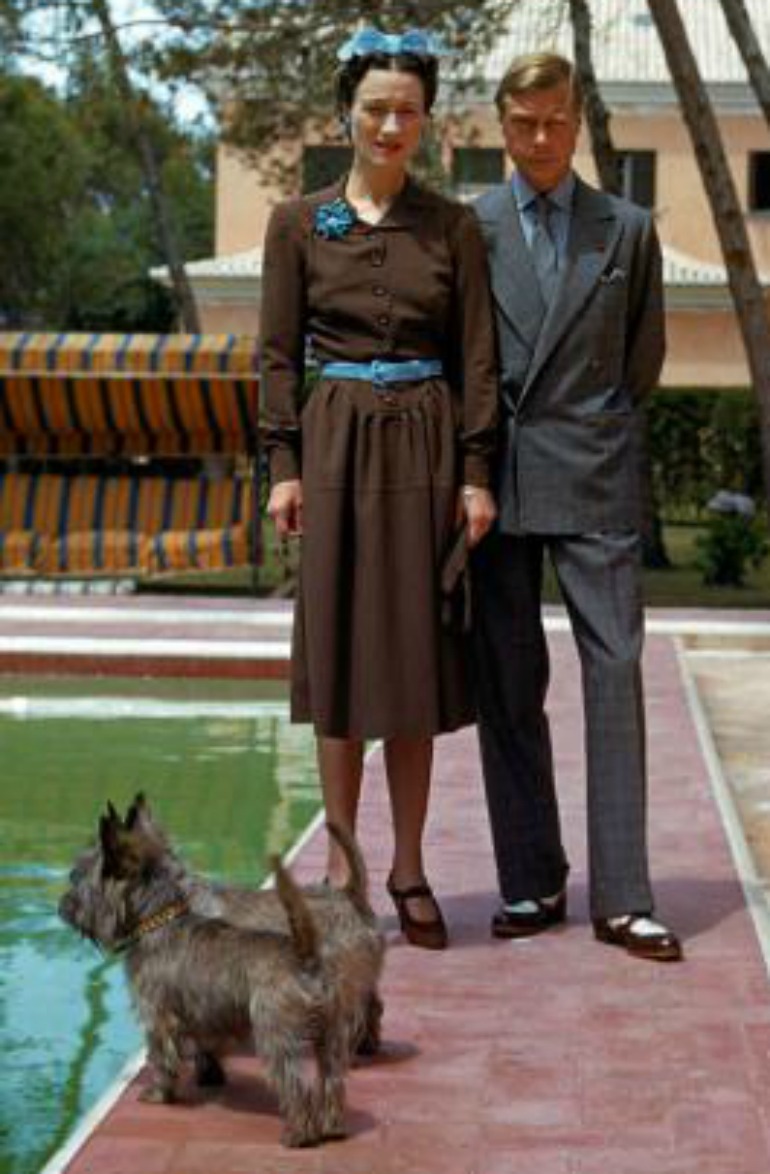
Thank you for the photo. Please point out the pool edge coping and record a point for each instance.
(742, 859)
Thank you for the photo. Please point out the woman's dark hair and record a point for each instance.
(353, 71)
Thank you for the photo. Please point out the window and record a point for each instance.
(321, 166)
(476, 168)
(637, 177)
(759, 181)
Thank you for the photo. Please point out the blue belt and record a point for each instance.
(382, 371)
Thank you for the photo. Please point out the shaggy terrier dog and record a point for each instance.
(351, 942)
(201, 983)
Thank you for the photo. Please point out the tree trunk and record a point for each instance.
(183, 294)
(607, 164)
(739, 23)
(746, 291)
(597, 116)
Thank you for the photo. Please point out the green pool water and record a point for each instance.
(227, 774)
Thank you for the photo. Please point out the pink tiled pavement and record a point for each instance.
(552, 1056)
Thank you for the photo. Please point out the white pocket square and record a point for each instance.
(613, 276)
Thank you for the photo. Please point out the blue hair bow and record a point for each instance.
(371, 40)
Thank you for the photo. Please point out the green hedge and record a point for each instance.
(701, 441)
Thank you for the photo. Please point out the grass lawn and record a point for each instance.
(679, 586)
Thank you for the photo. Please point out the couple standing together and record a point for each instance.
(478, 367)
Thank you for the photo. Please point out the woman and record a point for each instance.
(390, 453)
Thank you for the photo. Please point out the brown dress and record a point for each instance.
(380, 472)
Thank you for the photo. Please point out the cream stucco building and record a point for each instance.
(659, 167)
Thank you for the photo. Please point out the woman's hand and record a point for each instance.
(284, 506)
(476, 507)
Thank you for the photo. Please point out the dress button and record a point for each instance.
(379, 291)
(383, 319)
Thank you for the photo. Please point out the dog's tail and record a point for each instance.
(357, 887)
(302, 928)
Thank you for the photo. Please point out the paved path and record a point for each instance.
(553, 1056)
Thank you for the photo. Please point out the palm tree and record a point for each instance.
(607, 162)
(747, 295)
(151, 168)
(597, 116)
(739, 23)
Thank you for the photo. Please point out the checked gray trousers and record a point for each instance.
(599, 575)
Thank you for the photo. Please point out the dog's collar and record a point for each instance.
(154, 921)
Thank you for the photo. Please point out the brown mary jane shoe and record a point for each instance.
(429, 935)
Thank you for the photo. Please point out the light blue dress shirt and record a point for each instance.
(560, 215)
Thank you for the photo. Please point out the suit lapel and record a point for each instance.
(594, 235)
(514, 282)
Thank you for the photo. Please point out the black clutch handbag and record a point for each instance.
(456, 585)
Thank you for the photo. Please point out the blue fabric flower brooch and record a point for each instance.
(335, 220)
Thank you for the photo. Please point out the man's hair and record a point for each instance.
(538, 71)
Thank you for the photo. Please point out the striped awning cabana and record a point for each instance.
(173, 354)
(55, 524)
(132, 394)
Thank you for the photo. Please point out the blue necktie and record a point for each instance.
(544, 255)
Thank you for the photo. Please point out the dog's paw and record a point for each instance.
(369, 1044)
(300, 1138)
(332, 1118)
(155, 1095)
(209, 1073)
(335, 1131)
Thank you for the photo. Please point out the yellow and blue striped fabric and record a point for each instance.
(113, 394)
(54, 524)
(174, 354)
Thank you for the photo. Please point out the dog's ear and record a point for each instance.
(109, 837)
(139, 814)
(133, 813)
(112, 813)
(120, 855)
(141, 823)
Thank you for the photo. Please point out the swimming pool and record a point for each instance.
(223, 769)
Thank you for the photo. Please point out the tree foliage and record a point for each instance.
(59, 32)
(43, 166)
(277, 57)
(75, 222)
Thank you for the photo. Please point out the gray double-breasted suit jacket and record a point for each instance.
(572, 383)
(568, 479)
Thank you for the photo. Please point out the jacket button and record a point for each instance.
(383, 319)
(379, 291)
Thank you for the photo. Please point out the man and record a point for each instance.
(576, 277)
